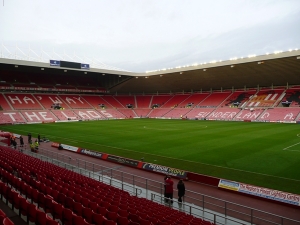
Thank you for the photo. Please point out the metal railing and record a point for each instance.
(206, 207)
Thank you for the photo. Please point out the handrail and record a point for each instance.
(194, 201)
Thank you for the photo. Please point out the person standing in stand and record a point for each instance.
(181, 190)
(169, 189)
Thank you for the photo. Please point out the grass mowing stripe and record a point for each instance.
(246, 152)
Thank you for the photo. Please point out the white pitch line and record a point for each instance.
(285, 149)
(292, 146)
(267, 175)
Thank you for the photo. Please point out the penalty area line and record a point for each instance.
(287, 148)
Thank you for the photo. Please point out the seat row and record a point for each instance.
(68, 196)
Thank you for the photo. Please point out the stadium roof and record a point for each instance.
(277, 69)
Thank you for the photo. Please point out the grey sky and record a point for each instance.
(140, 35)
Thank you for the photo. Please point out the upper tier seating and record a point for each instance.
(293, 96)
(143, 101)
(280, 114)
(75, 101)
(95, 101)
(41, 80)
(23, 101)
(48, 100)
(3, 103)
(125, 100)
(238, 96)
(175, 101)
(193, 100)
(215, 99)
(264, 98)
(160, 100)
(14, 78)
(110, 101)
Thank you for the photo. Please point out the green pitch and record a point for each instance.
(263, 154)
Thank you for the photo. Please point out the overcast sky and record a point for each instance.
(142, 35)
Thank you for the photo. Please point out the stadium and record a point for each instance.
(219, 124)
(150, 112)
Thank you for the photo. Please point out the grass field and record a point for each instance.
(263, 154)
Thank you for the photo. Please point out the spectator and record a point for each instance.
(21, 141)
(169, 189)
(29, 138)
(36, 145)
(31, 146)
(181, 190)
(165, 178)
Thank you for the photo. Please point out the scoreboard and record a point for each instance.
(66, 64)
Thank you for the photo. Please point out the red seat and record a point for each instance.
(78, 220)
(94, 206)
(61, 198)
(97, 218)
(109, 222)
(85, 202)
(77, 208)
(7, 221)
(123, 213)
(57, 211)
(113, 208)
(123, 221)
(145, 222)
(112, 216)
(41, 218)
(68, 202)
(87, 214)
(67, 216)
(134, 218)
(102, 211)
(32, 213)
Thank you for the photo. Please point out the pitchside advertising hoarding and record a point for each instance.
(261, 192)
(165, 170)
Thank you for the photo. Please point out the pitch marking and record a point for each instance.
(287, 148)
(181, 159)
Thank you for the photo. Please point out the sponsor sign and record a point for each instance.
(85, 66)
(270, 194)
(121, 160)
(165, 170)
(91, 153)
(54, 62)
(229, 185)
(69, 147)
(55, 145)
(280, 196)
